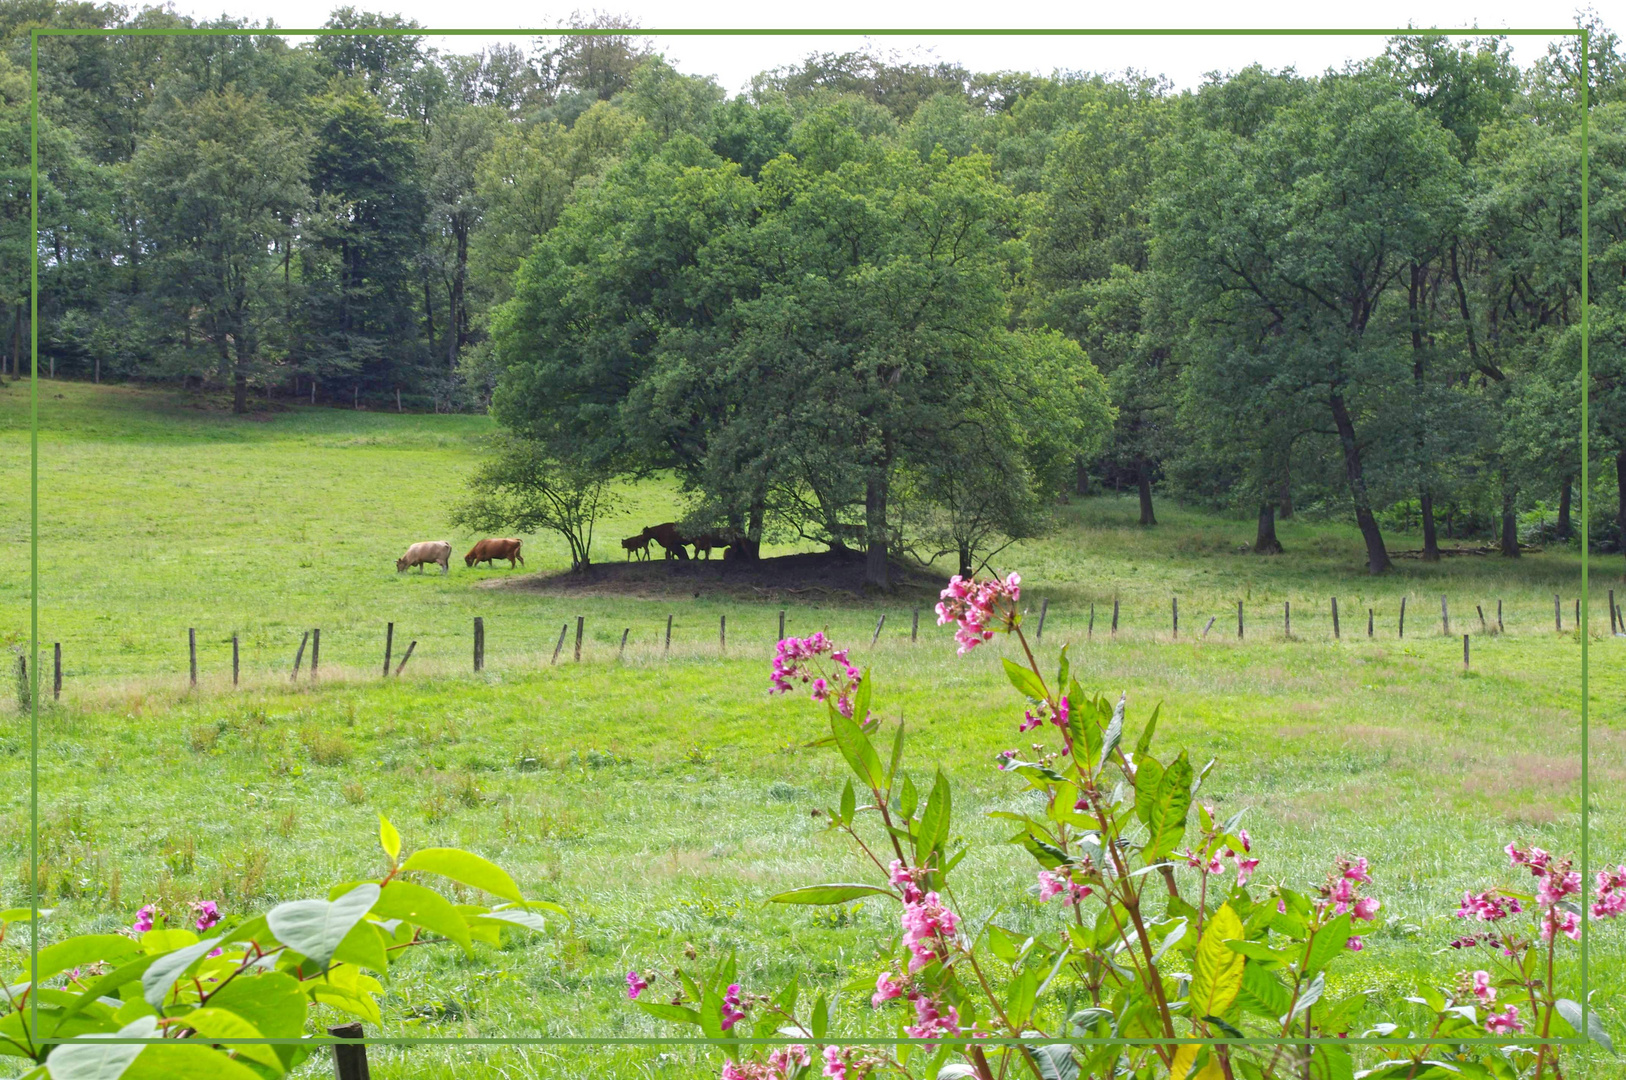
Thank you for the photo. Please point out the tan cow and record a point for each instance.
(426, 551)
(486, 551)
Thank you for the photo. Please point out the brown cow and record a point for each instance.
(488, 551)
(667, 536)
(637, 546)
(426, 551)
(708, 540)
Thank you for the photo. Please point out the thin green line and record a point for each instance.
(34, 528)
(1586, 621)
(328, 31)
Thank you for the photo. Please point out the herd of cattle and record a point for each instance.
(666, 534)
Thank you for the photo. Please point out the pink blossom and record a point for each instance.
(1050, 885)
(208, 914)
(732, 1013)
(1566, 923)
(1356, 870)
(636, 984)
(784, 1061)
(1488, 906)
(1029, 722)
(932, 1020)
(1483, 990)
(1611, 893)
(1244, 870)
(835, 1065)
(1366, 908)
(1556, 885)
(887, 987)
(144, 919)
(1536, 859)
(1355, 944)
(971, 605)
(1247, 842)
(1004, 760)
(927, 924)
(1064, 710)
(1505, 1023)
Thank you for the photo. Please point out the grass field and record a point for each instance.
(660, 797)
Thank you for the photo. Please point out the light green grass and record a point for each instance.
(662, 797)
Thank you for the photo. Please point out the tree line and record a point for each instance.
(889, 306)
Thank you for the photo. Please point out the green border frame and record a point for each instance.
(35, 33)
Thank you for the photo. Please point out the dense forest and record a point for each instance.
(891, 306)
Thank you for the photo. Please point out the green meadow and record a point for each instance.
(660, 794)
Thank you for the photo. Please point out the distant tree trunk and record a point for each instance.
(1082, 482)
(1565, 529)
(875, 538)
(457, 318)
(750, 545)
(239, 392)
(1377, 556)
(1265, 543)
(1143, 481)
(1510, 517)
(1285, 500)
(1431, 539)
(965, 559)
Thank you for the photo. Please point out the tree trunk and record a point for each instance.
(457, 319)
(965, 560)
(1285, 500)
(239, 394)
(1265, 543)
(1377, 556)
(1564, 525)
(875, 562)
(1510, 518)
(1431, 539)
(750, 548)
(1143, 481)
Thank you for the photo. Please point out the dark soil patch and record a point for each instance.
(828, 575)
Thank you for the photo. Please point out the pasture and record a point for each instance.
(660, 795)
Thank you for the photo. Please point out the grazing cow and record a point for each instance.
(637, 546)
(487, 551)
(426, 551)
(667, 536)
(708, 540)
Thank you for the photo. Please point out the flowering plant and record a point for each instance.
(254, 977)
(1143, 959)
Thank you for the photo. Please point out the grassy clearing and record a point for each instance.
(661, 796)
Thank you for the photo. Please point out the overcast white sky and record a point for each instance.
(733, 60)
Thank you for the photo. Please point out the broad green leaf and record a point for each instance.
(217, 1023)
(676, 1013)
(1263, 993)
(934, 821)
(422, 907)
(897, 757)
(1330, 941)
(1113, 736)
(530, 920)
(157, 980)
(849, 803)
(89, 1060)
(82, 950)
(1064, 667)
(163, 941)
(1148, 775)
(1310, 994)
(1053, 1061)
(1217, 977)
(836, 893)
(1571, 1012)
(1258, 950)
(821, 1017)
(856, 748)
(389, 838)
(908, 798)
(1167, 820)
(1049, 855)
(273, 1001)
(466, 868)
(1144, 743)
(1024, 680)
(110, 982)
(314, 928)
(364, 946)
(22, 914)
(1020, 997)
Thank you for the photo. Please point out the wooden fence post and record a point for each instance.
(1210, 626)
(1371, 613)
(1464, 652)
(669, 633)
(389, 644)
(1335, 633)
(56, 672)
(560, 643)
(782, 625)
(914, 626)
(1445, 617)
(581, 621)
(1499, 627)
(234, 659)
(1484, 628)
(1611, 611)
(300, 655)
(1578, 614)
(316, 650)
(1044, 609)
(349, 1059)
(873, 638)
(25, 696)
(1114, 616)
(479, 643)
(1239, 628)
(1402, 616)
(192, 652)
(1174, 615)
(405, 657)
(1558, 614)
(622, 651)
(1287, 618)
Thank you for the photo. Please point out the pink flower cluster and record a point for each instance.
(1351, 873)
(1557, 882)
(1054, 885)
(1504, 1023)
(888, 987)
(206, 911)
(1057, 716)
(1611, 894)
(1245, 866)
(796, 660)
(932, 1020)
(779, 1066)
(144, 919)
(979, 608)
(636, 984)
(732, 1012)
(927, 924)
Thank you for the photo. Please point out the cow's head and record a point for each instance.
(401, 565)
(468, 560)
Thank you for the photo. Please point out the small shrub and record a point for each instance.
(324, 747)
(354, 793)
(203, 737)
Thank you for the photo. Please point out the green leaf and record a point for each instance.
(897, 757)
(157, 980)
(1064, 667)
(1263, 993)
(1310, 994)
(1571, 1012)
(1019, 999)
(1024, 680)
(1167, 820)
(89, 1060)
(856, 748)
(1330, 941)
(1049, 855)
(217, 1023)
(849, 803)
(1114, 735)
(521, 917)
(908, 798)
(676, 1013)
(1054, 1062)
(171, 1060)
(821, 1017)
(934, 821)
(391, 839)
(83, 950)
(1217, 977)
(861, 701)
(1258, 950)
(465, 868)
(1144, 743)
(314, 928)
(1148, 775)
(422, 907)
(835, 893)
(273, 1001)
